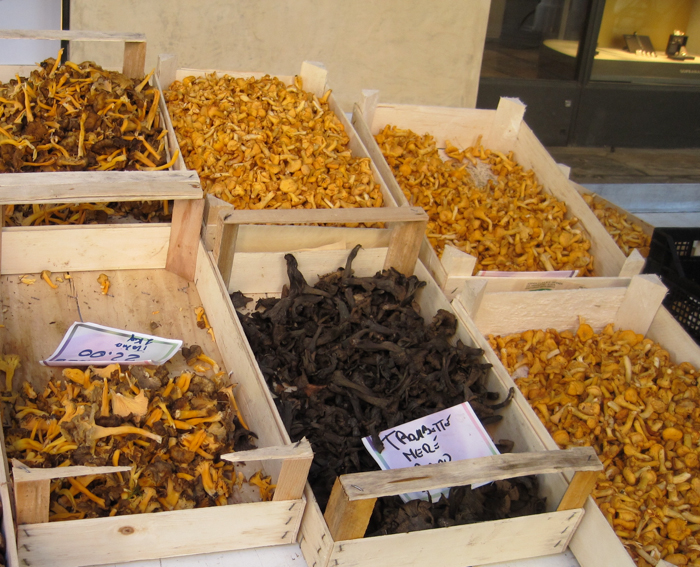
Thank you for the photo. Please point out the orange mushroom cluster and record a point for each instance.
(79, 117)
(169, 428)
(486, 204)
(621, 394)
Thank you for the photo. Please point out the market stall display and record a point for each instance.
(494, 221)
(194, 308)
(271, 142)
(328, 540)
(616, 349)
(92, 130)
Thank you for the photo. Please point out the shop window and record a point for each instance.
(534, 39)
(649, 41)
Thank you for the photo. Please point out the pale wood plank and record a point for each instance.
(97, 186)
(404, 245)
(362, 126)
(473, 544)
(666, 331)
(376, 484)
(579, 490)
(314, 76)
(300, 450)
(542, 283)
(22, 473)
(634, 264)
(228, 234)
(513, 312)
(261, 272)
(506, 122)
(369, 98)
(292, 478)
(71, 35)
(298, 216)
(166, 68)
(252, 394)
(134, 59)
(595, 543)
(347, 519)
(184, 237)
(8, 524)
(314, 539)
(27, 250)
(32, 500)
(640, 304)
(472, 295)
(151, 536)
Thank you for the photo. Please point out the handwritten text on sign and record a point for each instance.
(90, 343)
(453, 434)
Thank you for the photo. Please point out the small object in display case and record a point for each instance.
(640, 45)
(676, 46)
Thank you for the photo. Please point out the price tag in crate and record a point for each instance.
(93, 344)
(453, 434)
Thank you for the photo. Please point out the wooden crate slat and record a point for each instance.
(473, 544)
(29, 250)
(151, 536)
(97, 186)
(73, 35)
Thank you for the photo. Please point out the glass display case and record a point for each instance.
(634, 36)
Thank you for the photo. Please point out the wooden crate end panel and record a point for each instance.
(267, 272)
(474, 544)
(29, 250)
(314, 537)
(595, 543)
(513, 312)
(252, 393)
(164, 534)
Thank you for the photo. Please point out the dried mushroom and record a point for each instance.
(628, 235)
(486, 204)
(78, 117)
(353, 356)
(620, 393)
(171, 429)
(260, 144)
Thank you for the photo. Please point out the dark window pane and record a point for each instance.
(534, 39)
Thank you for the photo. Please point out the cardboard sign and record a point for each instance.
(453, 434)
(97, 345)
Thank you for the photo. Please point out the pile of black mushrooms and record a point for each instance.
(353, 356)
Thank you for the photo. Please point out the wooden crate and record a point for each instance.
(488, 306)
(336, 540)
(314, 77)
(148, 285)
(87, 186)
(503, 130)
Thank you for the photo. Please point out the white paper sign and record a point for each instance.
(453, 434)
(90, 343)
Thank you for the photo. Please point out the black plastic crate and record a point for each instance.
(673, 249)
(670, 257)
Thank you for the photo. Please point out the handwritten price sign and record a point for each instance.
(453, 434)
(97, 345)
